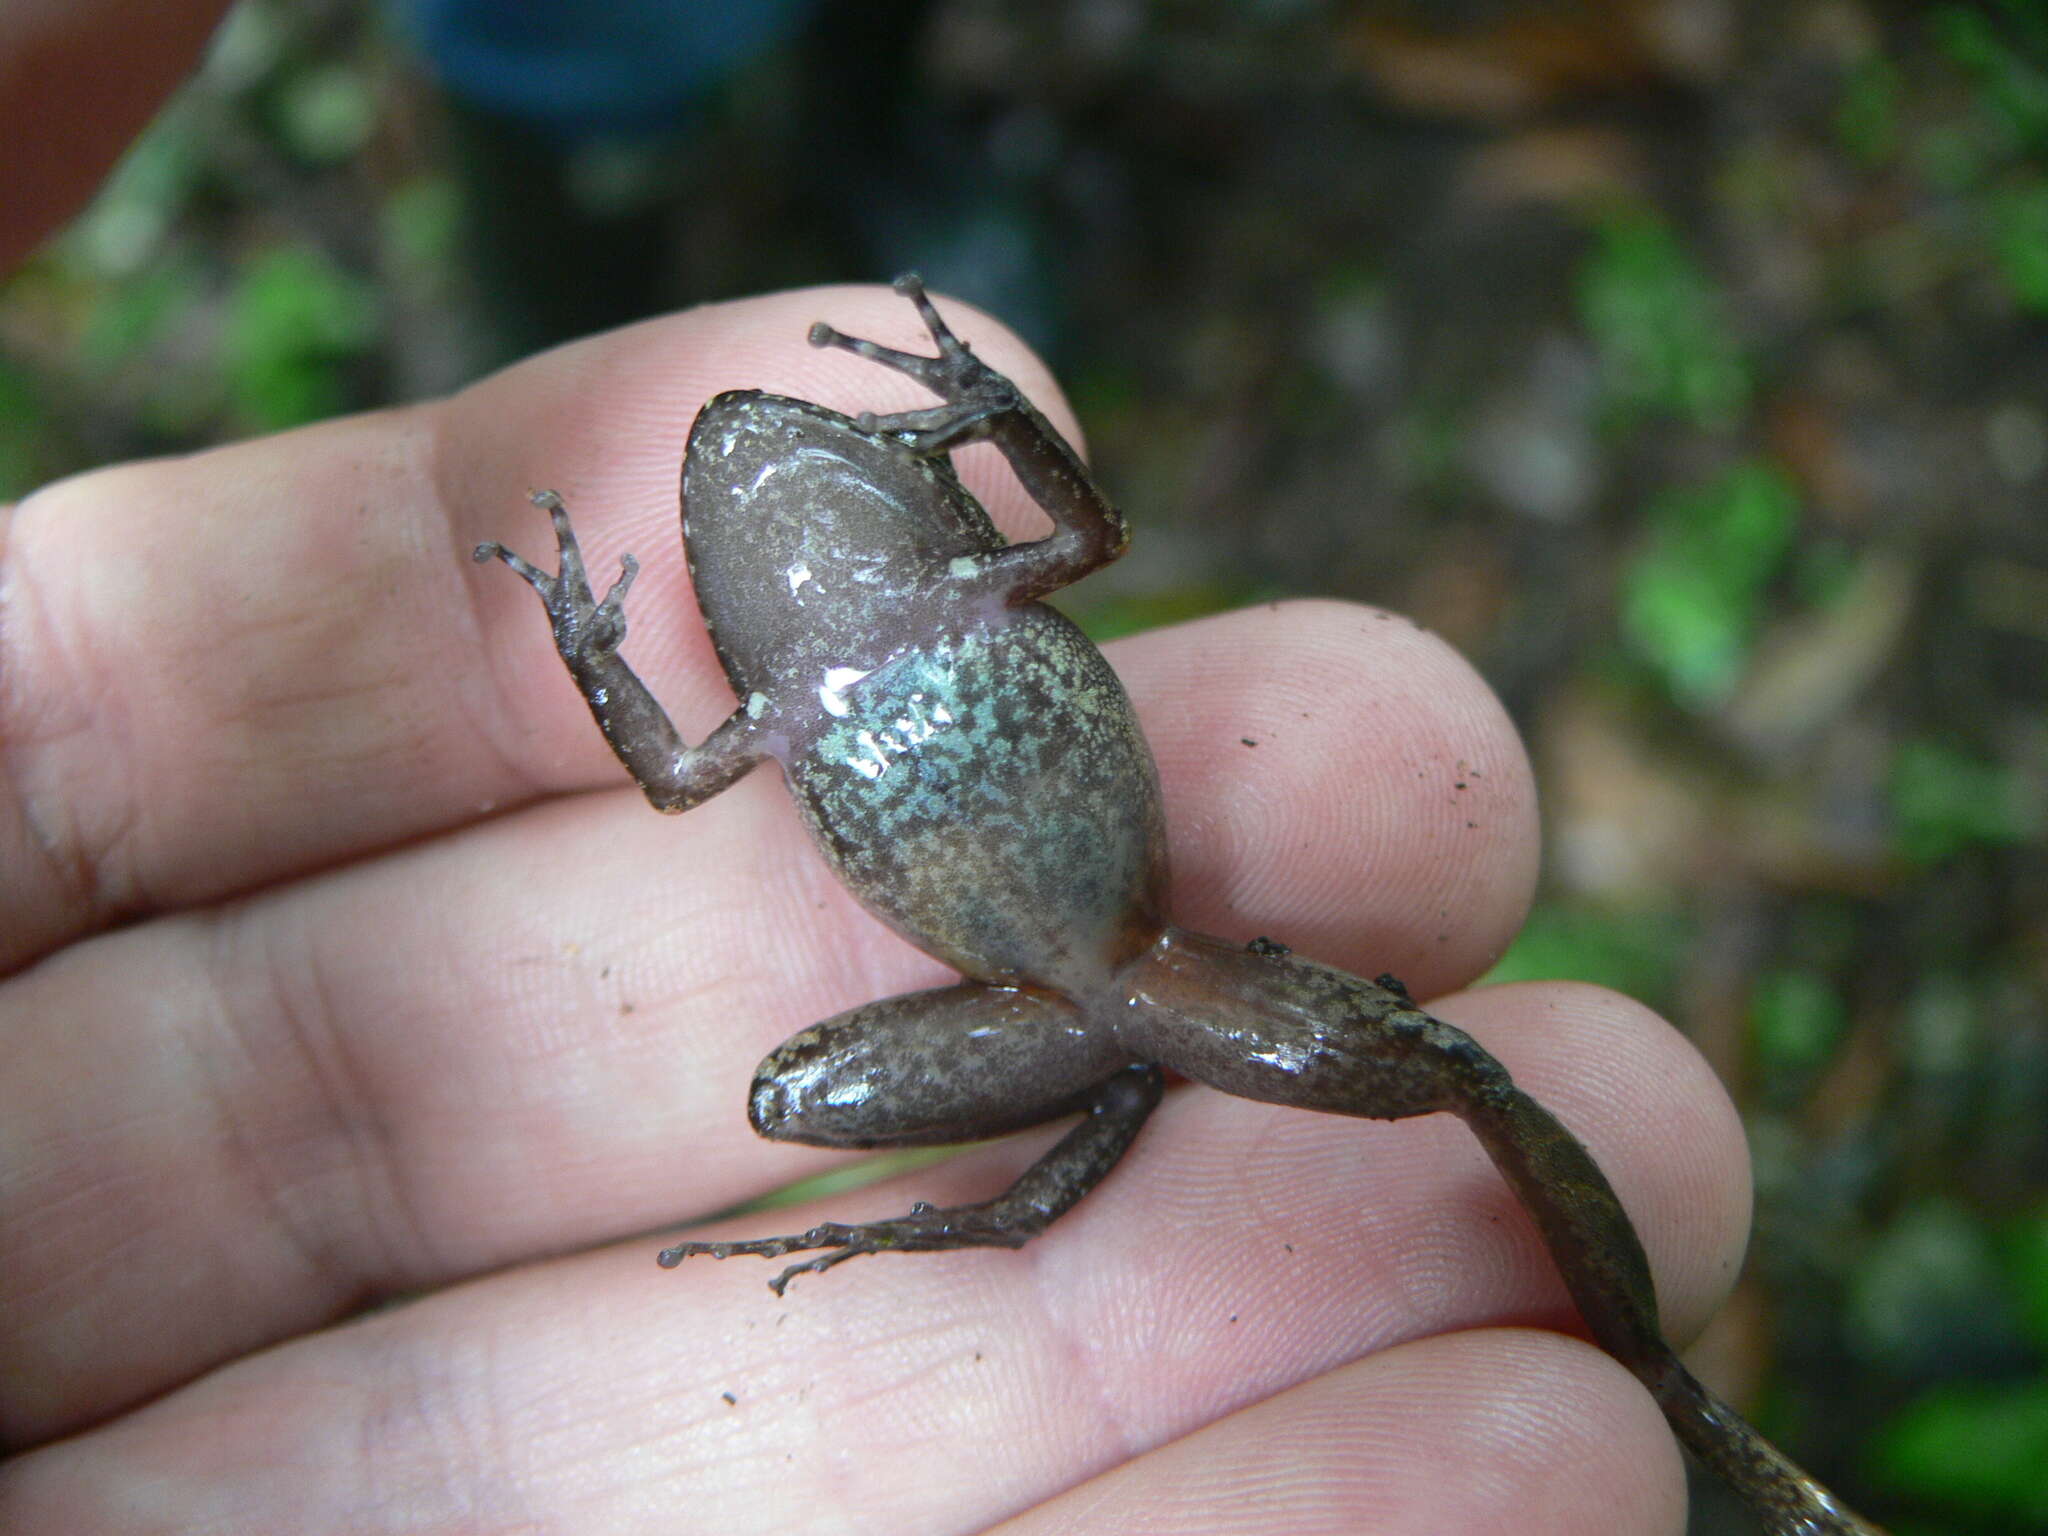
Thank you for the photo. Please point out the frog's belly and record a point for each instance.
(992, 799)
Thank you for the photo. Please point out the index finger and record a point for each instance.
(228, 668)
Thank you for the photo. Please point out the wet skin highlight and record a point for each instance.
(972, 769)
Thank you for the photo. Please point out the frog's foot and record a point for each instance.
(1044, 1192)
(976, 396)
(584, 626)
(927, 1229)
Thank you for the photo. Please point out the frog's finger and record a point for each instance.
(1242, 1250)
(225, 669)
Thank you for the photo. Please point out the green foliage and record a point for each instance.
(1428, 442)
(1867, 116)
(325, 114)
(295, 320)
(1691, 599)
(1662, 333)
(22, 424)
(1980, 1449)
(2023, 1251)
(1930, 1295)
(418, 227)
(1990, 157)
(1111, 617)
(125, 228)
(1796, 1018)
(127, 317)
(2009, 62)
(1944, 800)
(1824, 572)
(1940, 1031)
(848, 1177)
(1632, 952)
(2019, 243)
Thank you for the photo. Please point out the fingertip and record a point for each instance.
(606, 417)
(1657, 1118)
(1343, 779)
(1482, 1430)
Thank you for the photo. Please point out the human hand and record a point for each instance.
(341, 968)
(345, 967)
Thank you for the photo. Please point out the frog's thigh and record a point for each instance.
(953, 1064)
(1262, 1024)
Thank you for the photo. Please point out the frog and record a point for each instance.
(973, 771)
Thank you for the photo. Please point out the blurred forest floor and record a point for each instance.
(1685, 364)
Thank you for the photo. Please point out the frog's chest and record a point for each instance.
(991, 797)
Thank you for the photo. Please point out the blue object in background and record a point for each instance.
(579, 68)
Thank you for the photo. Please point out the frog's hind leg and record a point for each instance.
(956, 1064)
(1264, 1025)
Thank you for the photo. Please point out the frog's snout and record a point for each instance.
(769, 1109)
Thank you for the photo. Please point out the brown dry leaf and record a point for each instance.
(1523, 58)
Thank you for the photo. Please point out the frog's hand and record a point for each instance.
(588, 633)
(1263, 1025)
(982, 404)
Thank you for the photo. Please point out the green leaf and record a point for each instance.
(125, 228)
(295, 319)
(1981, 1450)
(1691, 599)
(1944, 800)
(1928, 1294)
(2013, 84)
(419, 225)
(1867, 116)
(1796, 1018)
(1659, 326)
(2019, 241)
(2023, 1251)
(1632, 952)
(326, 113)
(1132, 613)
(23, 421)
(127, 317)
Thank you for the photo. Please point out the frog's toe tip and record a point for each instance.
(822, 335)
(909, 284)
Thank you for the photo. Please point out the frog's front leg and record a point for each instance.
(955, 1064)
(588, 634)
(982, 405)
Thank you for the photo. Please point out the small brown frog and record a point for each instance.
(972, 769)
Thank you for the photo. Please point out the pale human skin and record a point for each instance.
(341, 964)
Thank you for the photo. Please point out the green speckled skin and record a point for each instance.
(991, 797)
(970, 765)
(972, 768)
